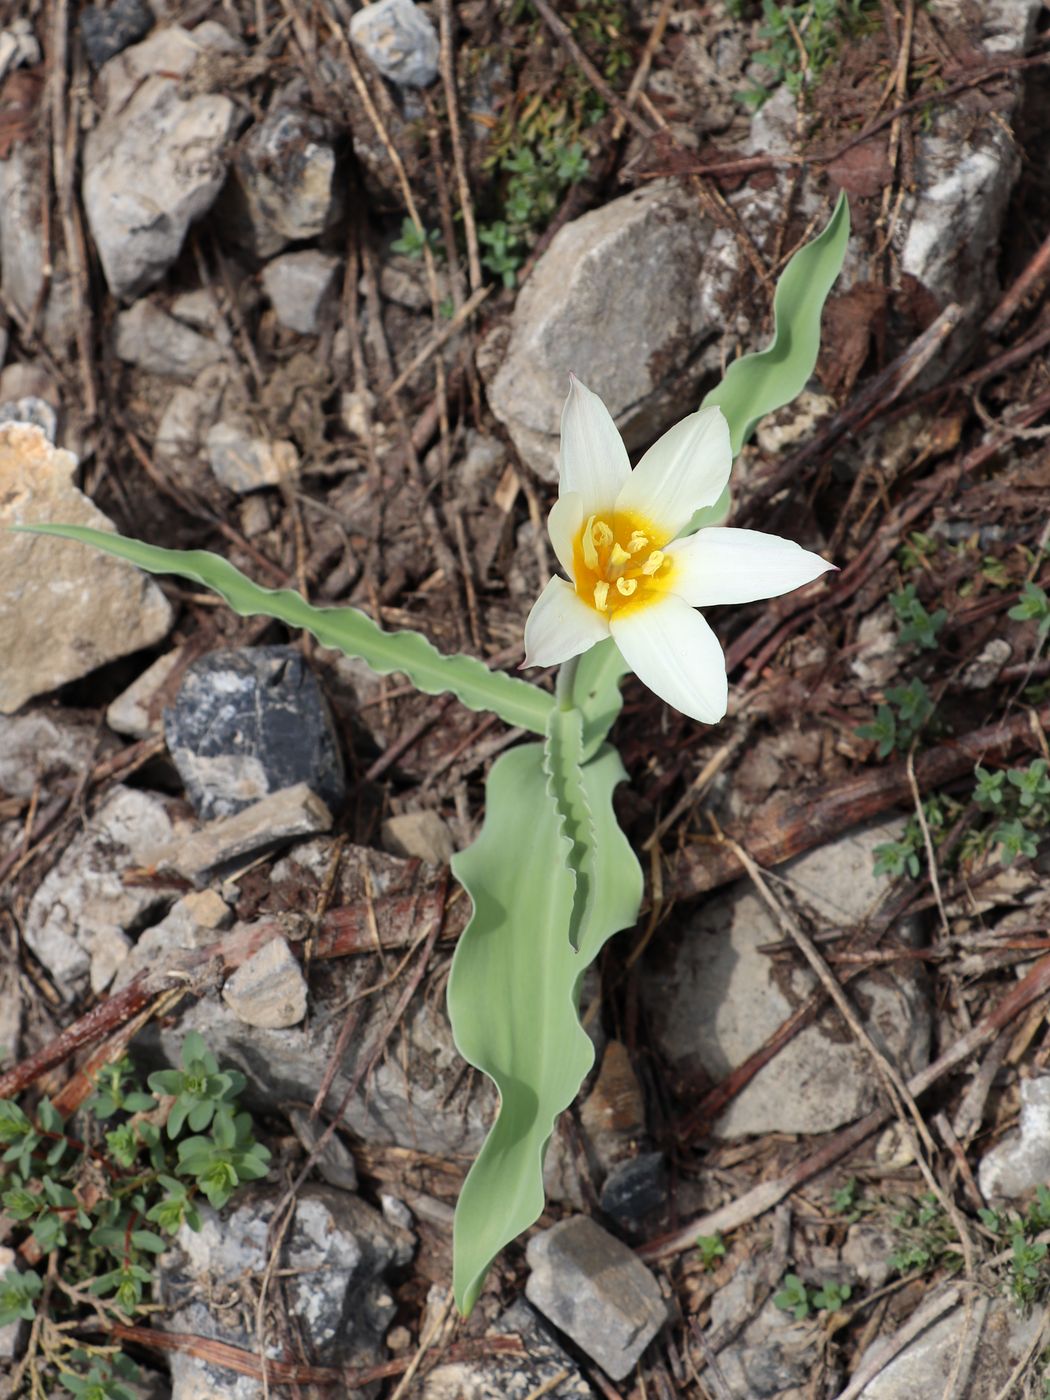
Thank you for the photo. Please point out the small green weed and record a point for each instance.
(801, 40)
(1033, 605)
(412, 242)
(1029, 1274)
(917, 626)
(901, 719)
(926, 1237)
(712, 1248)
(143, 1175)
(799, 1300)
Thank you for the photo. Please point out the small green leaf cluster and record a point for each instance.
(1018, 799)
(916, 626)
(818, 26)
(900, 719)
(538, 173)
(926, 1237)
(413, 240)
(1033, 606)
(145, 1157)
(908, 855)
(1029, 1276)
(799, 1300)
(712, 1248)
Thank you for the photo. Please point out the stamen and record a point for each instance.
(618, 556)
(637, 542)
(601, 533)
(626, 586)
(601, 595)
(653, 564)
(590, 554)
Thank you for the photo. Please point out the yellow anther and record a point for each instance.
(618, 556)
(654, 562)
(626, 586)
(601, 595)
(637, 542)
(601, 533)
(590, 554)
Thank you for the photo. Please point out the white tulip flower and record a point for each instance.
(614, 533)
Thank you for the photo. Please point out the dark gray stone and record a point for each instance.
(635, 1189)
(107, 32)
(597, 1291)
(512, 1377)
(249, 723)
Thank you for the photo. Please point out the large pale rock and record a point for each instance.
(1021, 1162)
(399, 39)
(155, 162)
(628, 297)
(150, 339)
(269, 990)
(715, 998)
(64, 609)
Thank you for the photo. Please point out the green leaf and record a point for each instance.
(562, 761)
(514, 986)
(348, 630)
(757, 384)
(596, 691)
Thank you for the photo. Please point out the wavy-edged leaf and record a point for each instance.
(596, 690)
(757, 384)
(347, 629)
(563, 760)
(514, 987)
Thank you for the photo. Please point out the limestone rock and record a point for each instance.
(135, 712)
(243, 462)
(39, 749)
(596, 1290)
(421, 835)
(715, 999)
(24, 259)
(637, 272)
(155, 162)
(399, 39)
(1021, 1162)
(150, 339)
(545, 1369)
(269, 989)
(299, 286)
(64, 609)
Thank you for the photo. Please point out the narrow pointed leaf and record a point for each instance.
(348, 630)
(514, 986)
(757, 384)
(562, 763)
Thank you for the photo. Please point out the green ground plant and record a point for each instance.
(99, 1194)
(800, 40)
(712, 1249)
(801, 1299)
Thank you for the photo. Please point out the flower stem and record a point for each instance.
(564, 685)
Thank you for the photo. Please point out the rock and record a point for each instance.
(544, 1369)
(876, 657)
(421, 835)
(867, 1252)
(155, 162)
(924, 1367)
(300, 287)
(193, 922)
(335, 1257)
(25, 261)
(19, 46)
(136, 711)
(613, 1113)
(220, 846)
(283, 187)
(65, 609)
(597, 1291)
(81, 917)
(44, 749)
(244, 463)
(635, 1189)
(37, 412)
(250, 722)
(150, 339)
(984, 669)
(268, 990)
(714, 999)
(399, 39)
(1021, 1162)
(639, 271)
(189, 414)
(774, 1355)
(107, 32)
(335, 1162)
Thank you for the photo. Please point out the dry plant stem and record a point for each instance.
(437, 1323)
(767, 1194)
(437, 340)
(927, 839)
(564, 35)
(448, 80)
(1009, 1387)
(933, 1308)
(796, 822)
(956, 1386)
(641, 73)
(903, 1103)
(1036, 271)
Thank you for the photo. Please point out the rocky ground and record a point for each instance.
(300, 284)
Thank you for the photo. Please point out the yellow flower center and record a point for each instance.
(619, 564)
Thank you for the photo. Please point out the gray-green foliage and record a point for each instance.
(148, 1174)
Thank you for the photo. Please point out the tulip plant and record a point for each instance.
(551, 876)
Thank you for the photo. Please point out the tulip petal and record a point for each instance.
(561, 625)
(673, 651)
(682, 472)
(724, 565)
(594, 461)
(563, 525)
